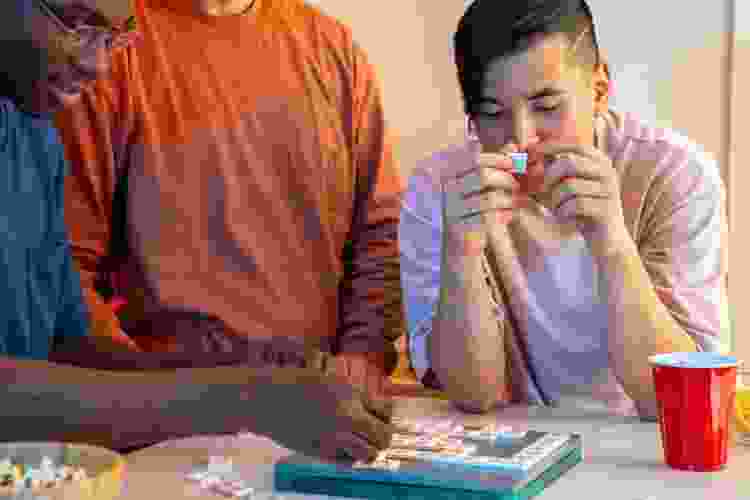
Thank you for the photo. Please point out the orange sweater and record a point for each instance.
(256, 152)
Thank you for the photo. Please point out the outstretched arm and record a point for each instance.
(47, 402)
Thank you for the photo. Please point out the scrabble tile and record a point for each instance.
(198, 475)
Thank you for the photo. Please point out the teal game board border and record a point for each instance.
(389, 491)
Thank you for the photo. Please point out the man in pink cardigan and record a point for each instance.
(562, 281)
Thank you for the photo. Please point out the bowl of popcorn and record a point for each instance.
(59, 471)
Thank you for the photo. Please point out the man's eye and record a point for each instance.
(491, 114)
(548, 106)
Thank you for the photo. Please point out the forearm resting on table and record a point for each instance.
(47, 402)
(640, 325)
(466, 349)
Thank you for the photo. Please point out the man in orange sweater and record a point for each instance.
(59, 46)
(236, 173)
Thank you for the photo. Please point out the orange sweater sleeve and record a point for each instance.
(371, 304)
(95, 134)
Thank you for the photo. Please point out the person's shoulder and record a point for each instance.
(31, 147)
(311, 20)
(659, 152)
(36, 130)
(632, 128)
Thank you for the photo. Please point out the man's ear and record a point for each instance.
(601, 87)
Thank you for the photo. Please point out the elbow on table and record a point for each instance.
(466, 400)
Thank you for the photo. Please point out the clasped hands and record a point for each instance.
(576, 183)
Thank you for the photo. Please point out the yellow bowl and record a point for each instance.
(105, 468)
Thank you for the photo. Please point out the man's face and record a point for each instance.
(538, 95)
(54, 65)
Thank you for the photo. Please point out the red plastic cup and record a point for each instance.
(695, 394)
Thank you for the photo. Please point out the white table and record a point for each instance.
(623, 458)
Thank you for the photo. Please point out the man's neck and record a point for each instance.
(224, 7)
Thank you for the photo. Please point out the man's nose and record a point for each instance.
(523, 132)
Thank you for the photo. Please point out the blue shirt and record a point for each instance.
(40, 290)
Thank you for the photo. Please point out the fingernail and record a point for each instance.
(504, 217)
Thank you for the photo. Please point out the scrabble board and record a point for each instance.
(455, 463)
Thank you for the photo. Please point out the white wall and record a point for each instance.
(739, 176)
(669, 62)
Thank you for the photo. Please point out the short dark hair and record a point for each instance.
(492, 29)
